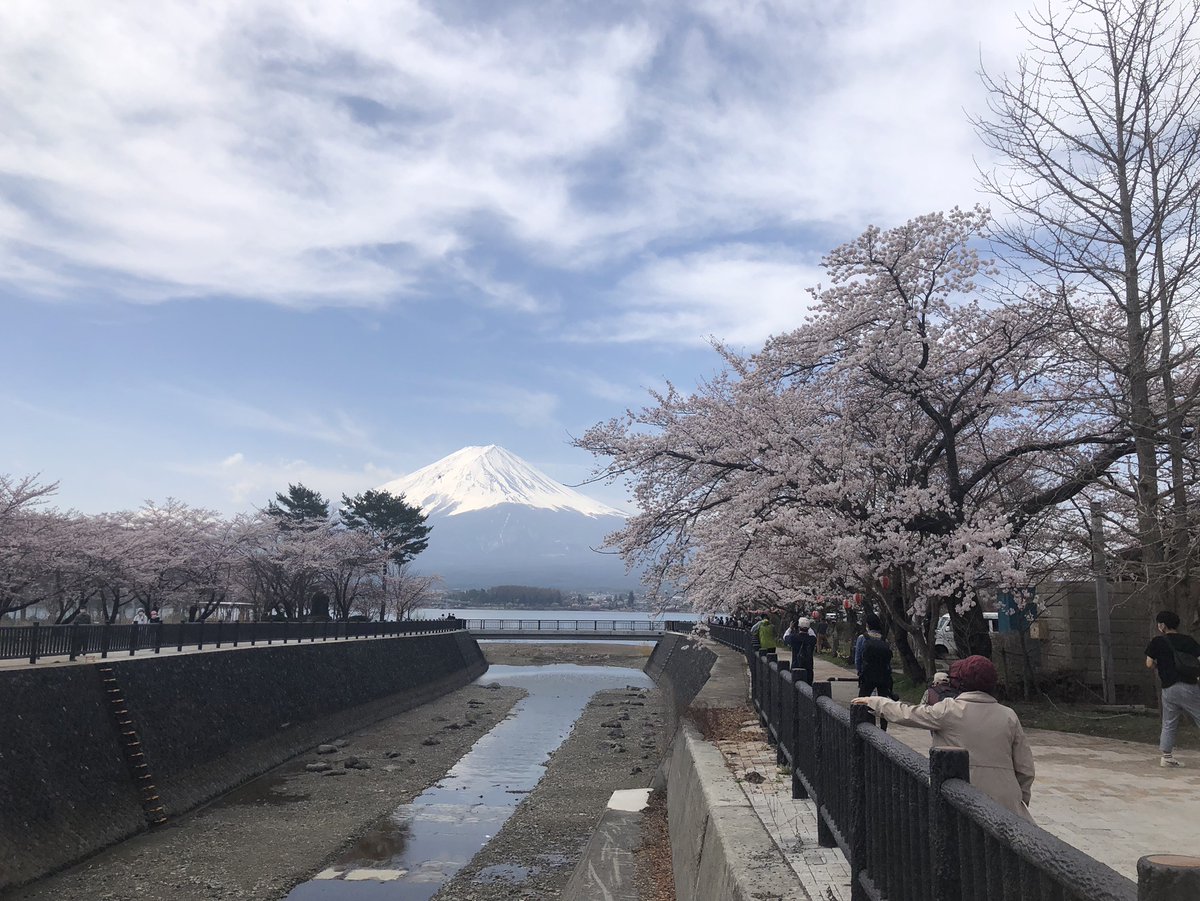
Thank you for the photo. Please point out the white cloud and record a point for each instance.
(335, 428)
(524, 406)
(738, 294)
(241, 483)
(352, 153)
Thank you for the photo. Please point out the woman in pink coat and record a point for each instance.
(1001, 760)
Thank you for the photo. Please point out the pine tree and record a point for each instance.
(397, 525)
(301, 507)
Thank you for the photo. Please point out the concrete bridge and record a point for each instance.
(574, 629)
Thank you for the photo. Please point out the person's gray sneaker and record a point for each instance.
(1168, 761)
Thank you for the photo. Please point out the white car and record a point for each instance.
(944, 645)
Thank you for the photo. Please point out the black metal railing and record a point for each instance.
(37, 642)
(738, 639)
(639, 626)
(911, 827)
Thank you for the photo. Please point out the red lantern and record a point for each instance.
(885, 582)
(858, 598)
(846, 604)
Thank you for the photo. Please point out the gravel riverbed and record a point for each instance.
(276, 831)
(281, 828)
(616, 743)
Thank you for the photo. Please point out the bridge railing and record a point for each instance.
(913, 828)
(640, 626)
(38, 642)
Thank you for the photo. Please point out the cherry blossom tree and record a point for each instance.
(911, 428)
(30, 542)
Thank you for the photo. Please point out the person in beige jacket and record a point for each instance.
(1001, 759)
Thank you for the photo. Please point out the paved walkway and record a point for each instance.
(1108, 798)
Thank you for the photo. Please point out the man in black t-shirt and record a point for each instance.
(1169, 653)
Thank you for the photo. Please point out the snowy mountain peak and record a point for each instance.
(476, 478)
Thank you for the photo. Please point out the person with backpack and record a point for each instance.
(940, 689)
(1177, 659)
(873, 660)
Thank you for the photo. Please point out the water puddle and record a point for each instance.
(424, 843)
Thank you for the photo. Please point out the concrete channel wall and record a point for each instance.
(720, 850)
(206, 722)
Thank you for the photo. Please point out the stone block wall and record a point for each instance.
(1068, 642)
(207, 723)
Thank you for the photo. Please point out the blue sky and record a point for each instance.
(254, 242)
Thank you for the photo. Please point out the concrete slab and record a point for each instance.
(608, 869)
(630, 800)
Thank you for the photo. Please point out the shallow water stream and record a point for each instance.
(412, 854)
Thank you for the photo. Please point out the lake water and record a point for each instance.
(589, 615)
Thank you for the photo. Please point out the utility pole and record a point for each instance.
(1102, 606)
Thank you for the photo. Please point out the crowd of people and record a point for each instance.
(960, 707)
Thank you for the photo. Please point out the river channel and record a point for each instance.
(424, 843)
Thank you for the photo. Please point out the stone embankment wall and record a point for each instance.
(207, 722)
(680, 665)
(720, 850)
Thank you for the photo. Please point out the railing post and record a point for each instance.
(133, 639)
(944, 764)
(104, 633)
(793, 685)
(200, 633)
(76, 640)
(218, 641)
(859, 715)
(34, 641)
(1168, 877)
(179, 647)
(158, 627)
(236, 625)
(775, 706)
(825, 836)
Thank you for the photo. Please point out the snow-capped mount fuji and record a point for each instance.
(476, 478)
(497, 520)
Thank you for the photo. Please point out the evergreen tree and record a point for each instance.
(397, 525)
(301, 507)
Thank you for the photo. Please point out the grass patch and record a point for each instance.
(1141, 727)
(910, 692)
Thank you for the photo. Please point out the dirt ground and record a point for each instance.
(615, 744)
(281, 828)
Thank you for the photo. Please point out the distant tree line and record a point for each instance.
(533, 598)
(511, 596)
(294, 559)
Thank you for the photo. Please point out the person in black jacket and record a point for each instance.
(875, 658)
(1175, 656)
(800, 638)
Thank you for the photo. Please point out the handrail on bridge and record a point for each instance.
(564, 625)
